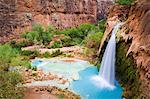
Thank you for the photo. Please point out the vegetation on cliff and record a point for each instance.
(126, 71)
(125, 2)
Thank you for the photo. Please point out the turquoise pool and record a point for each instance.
(83, 83)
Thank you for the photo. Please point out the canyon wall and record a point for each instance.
(19, 15)
(138, 30)
(133, 49)
(103, 7)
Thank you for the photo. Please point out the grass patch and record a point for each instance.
(125, 2)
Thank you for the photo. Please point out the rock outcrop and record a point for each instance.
(19, 15)
(138, 30)
(136, 34)
(103, 7)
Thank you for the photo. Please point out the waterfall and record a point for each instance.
(107, 69)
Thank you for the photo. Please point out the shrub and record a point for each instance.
(6, 54)
(20, 61)
(31, 36)
(19, 45)
(51, 28)
(56, 44)
(73, 32)
(68, 55)
(56, 53)
(39, 35)
(80, 32)
(67, 41)
(32, 54)
(73, 36)
(46, 55)
(8, 88)
(76, 35)
(125, 2)
(85, 29)
(10, 57)
(101, 25)
(93, 40)
(26, 52)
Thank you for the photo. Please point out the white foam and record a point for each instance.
(99, 82)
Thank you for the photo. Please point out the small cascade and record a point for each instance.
(107, 69)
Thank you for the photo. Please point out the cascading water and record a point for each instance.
(107, 69)
(106, 77)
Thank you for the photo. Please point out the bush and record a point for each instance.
(56, 44)
(85, 29)
(20, 61)
(56, 53)
(125, 2)
(29, 53)
(6, 54)
(81, 31)
(31, 36)
(101, 25)
(8, 82)
(51, 28)
(93, 40)
(67, 41)
(10, 57)
(73, 36)
(39, 35)
(46, 55)
(76, 35)
(19, 45)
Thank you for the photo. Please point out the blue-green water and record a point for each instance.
(88, 90)
(84, 85)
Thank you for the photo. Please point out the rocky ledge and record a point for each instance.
(49, 93)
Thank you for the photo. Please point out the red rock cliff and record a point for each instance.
(139, 30)
(19, 15)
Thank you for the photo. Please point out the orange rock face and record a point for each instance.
(61, 13)
(19, 15)
(139, 30)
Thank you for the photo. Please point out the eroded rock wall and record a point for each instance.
(138, 30)
(19, 15)
(103, 7)
(135, 43)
